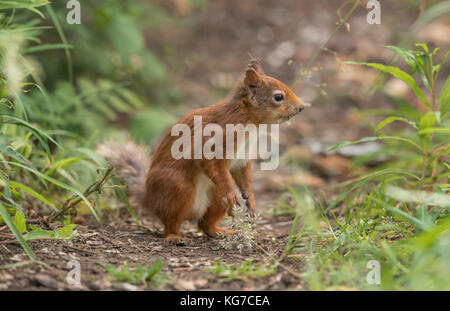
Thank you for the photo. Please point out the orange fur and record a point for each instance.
(171, 184)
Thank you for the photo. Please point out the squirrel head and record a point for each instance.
(268, 99)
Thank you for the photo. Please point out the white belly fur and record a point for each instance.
(203, 193)
(202, 196)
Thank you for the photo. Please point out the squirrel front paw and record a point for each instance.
(229, 201)
(251, 210)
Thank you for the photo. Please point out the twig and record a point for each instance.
(16, 265)
(289, 270)
(42, 220)
(14, 241)
(423, 7)
(81, 250)
(342, 22)
(95, 187)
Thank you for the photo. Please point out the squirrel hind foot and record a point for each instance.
(176, 239)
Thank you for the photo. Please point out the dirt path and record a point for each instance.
(123, 240)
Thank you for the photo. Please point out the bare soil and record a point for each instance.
(123, 240)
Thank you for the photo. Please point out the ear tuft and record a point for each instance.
(252, 78)
(255, 64)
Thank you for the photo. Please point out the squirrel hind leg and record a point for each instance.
(172, 227)
(171, 202)
(172, 231)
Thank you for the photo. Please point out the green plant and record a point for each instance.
(425, 145)
(399, 213)
(244, 271)
(111, 43)
(141, 275)
(23, 146)
(334, 249)
(244, 227)
(46, 137)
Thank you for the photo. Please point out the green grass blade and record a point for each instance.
(63, 39)
(47, 47)
(415, 221)
(431, 130)
(38, 133)
(62, 164)
(9, 222)
(400, 74)
(8, 151)
(374, 138)
(123, 197)
(347, 143)
(389, 120)
(33, 193)
(59, 184)
(28, 5)
(444, 98)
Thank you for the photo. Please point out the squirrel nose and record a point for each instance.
(303, 106)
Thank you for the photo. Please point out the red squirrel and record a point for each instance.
(175, 190)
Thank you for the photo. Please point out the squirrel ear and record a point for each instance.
(255, 64)
(251, 77)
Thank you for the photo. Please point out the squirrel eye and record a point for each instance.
(278, 97)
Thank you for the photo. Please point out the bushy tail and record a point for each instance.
(130, 164)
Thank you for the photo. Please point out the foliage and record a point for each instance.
(55, 103)
(141, 275)
(425, 144)
(244, 271)
(336, 249)
(399, 213)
